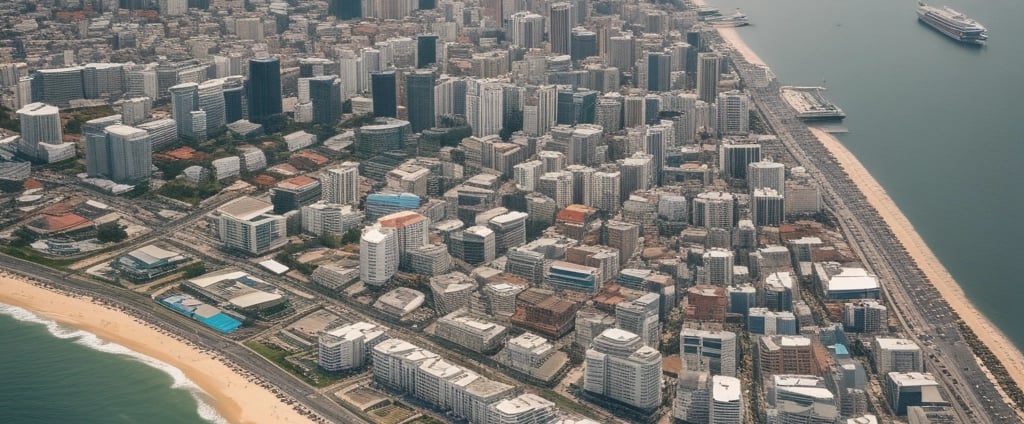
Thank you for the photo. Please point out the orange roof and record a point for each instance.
(32, 184)
(60, 223)
(181, 153)
(301, 181)
(400, 219)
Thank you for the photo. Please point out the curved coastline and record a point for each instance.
(994, 339)
(236, 397)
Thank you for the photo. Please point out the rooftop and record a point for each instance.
(726, 389)
(246, 208)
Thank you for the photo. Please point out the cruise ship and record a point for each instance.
(737, 19)
(952, 23)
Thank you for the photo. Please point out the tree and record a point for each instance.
(352, 236)
(195, 270)
(110, 232)
(23, 237)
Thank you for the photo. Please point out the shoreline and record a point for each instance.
(1009, 355)
(1000, 345)
(237, 397)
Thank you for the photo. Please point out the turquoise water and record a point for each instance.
(937, 123)
(53, 374)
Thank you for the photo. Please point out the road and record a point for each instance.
(926, 317)
(144, 308)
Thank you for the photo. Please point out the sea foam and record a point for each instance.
(85, 338)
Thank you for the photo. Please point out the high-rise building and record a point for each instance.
(325, 95)
(606, 191)
(767, 174)
(485, 107)
(385, 92)
(345, 9)
(623, 236)
(527, 264)
(411, 230)
(726, 400)
(264, 89)
(474, 245)
(509, 230)
(378, 255)
(248, 225)
(709, 66)
(896, 355)
(584, 44)
(637, 174)
(765, 322)
(908, 389)
(713, 209)
(708, 351)
(733, 109)
(734, 158)
(527, 30)
(620, 367)
(210, 96)
(348, 346)
(185, 100)
(558, 186)
(121, 153)
(560, 28)
(451, 292)
(656, 143)
(40, 124)
(718, 267)
(426, 50)
(785, 355)
(767, 207)
(622, 52)
(173, 7)
(330, 218)
(341, 184)
(527, 174)
(659, 72)
(640, 316)
(693, 396)
(420, 102)
(868, 316)
(233, 88)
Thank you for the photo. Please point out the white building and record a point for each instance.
(471, 333)
(712, 351)
(718, 267)
(526, 408)
(726, 400)
(527, 174)
(528, 351)
(330, 218)
(341, 184)
(348, 346)
(620, 367)
(896, 355)
(641, 317)
(248, 224)
(378, 255)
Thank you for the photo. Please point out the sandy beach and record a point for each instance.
(238, 398)
(987, 332)
(1008, 353)
(731, 36)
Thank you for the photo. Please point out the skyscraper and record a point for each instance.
(767, 174)
(620, 367)
(527, 30)
(325, 94)
(40, 124)
(420, 102)
(584, 44)
(184, 100)
(484, 107)
(426, 50)
(345, 9)
(385, 96)
(560, 31)
(122, 154)
(733, 113)
(640, 317)
(264, 90)
(708, 71)
(211, 100)
(341, 184)
(767, 207)
(659, 72)
(718, 267)
(378, 255)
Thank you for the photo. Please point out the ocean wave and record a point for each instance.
(87, 339)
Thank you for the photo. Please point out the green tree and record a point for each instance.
(110, 232)
(352, 236)
(195, 270)
(23, 237)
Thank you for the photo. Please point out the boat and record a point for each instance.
(811, 105)
(707, 11)
(737, 19)
(953, 24)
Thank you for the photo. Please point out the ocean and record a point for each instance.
(55, 374)
(937, 123)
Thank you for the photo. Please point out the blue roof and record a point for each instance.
(220, 322)
(841, 350)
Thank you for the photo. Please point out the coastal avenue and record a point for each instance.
(927, 318)
(141, 307)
